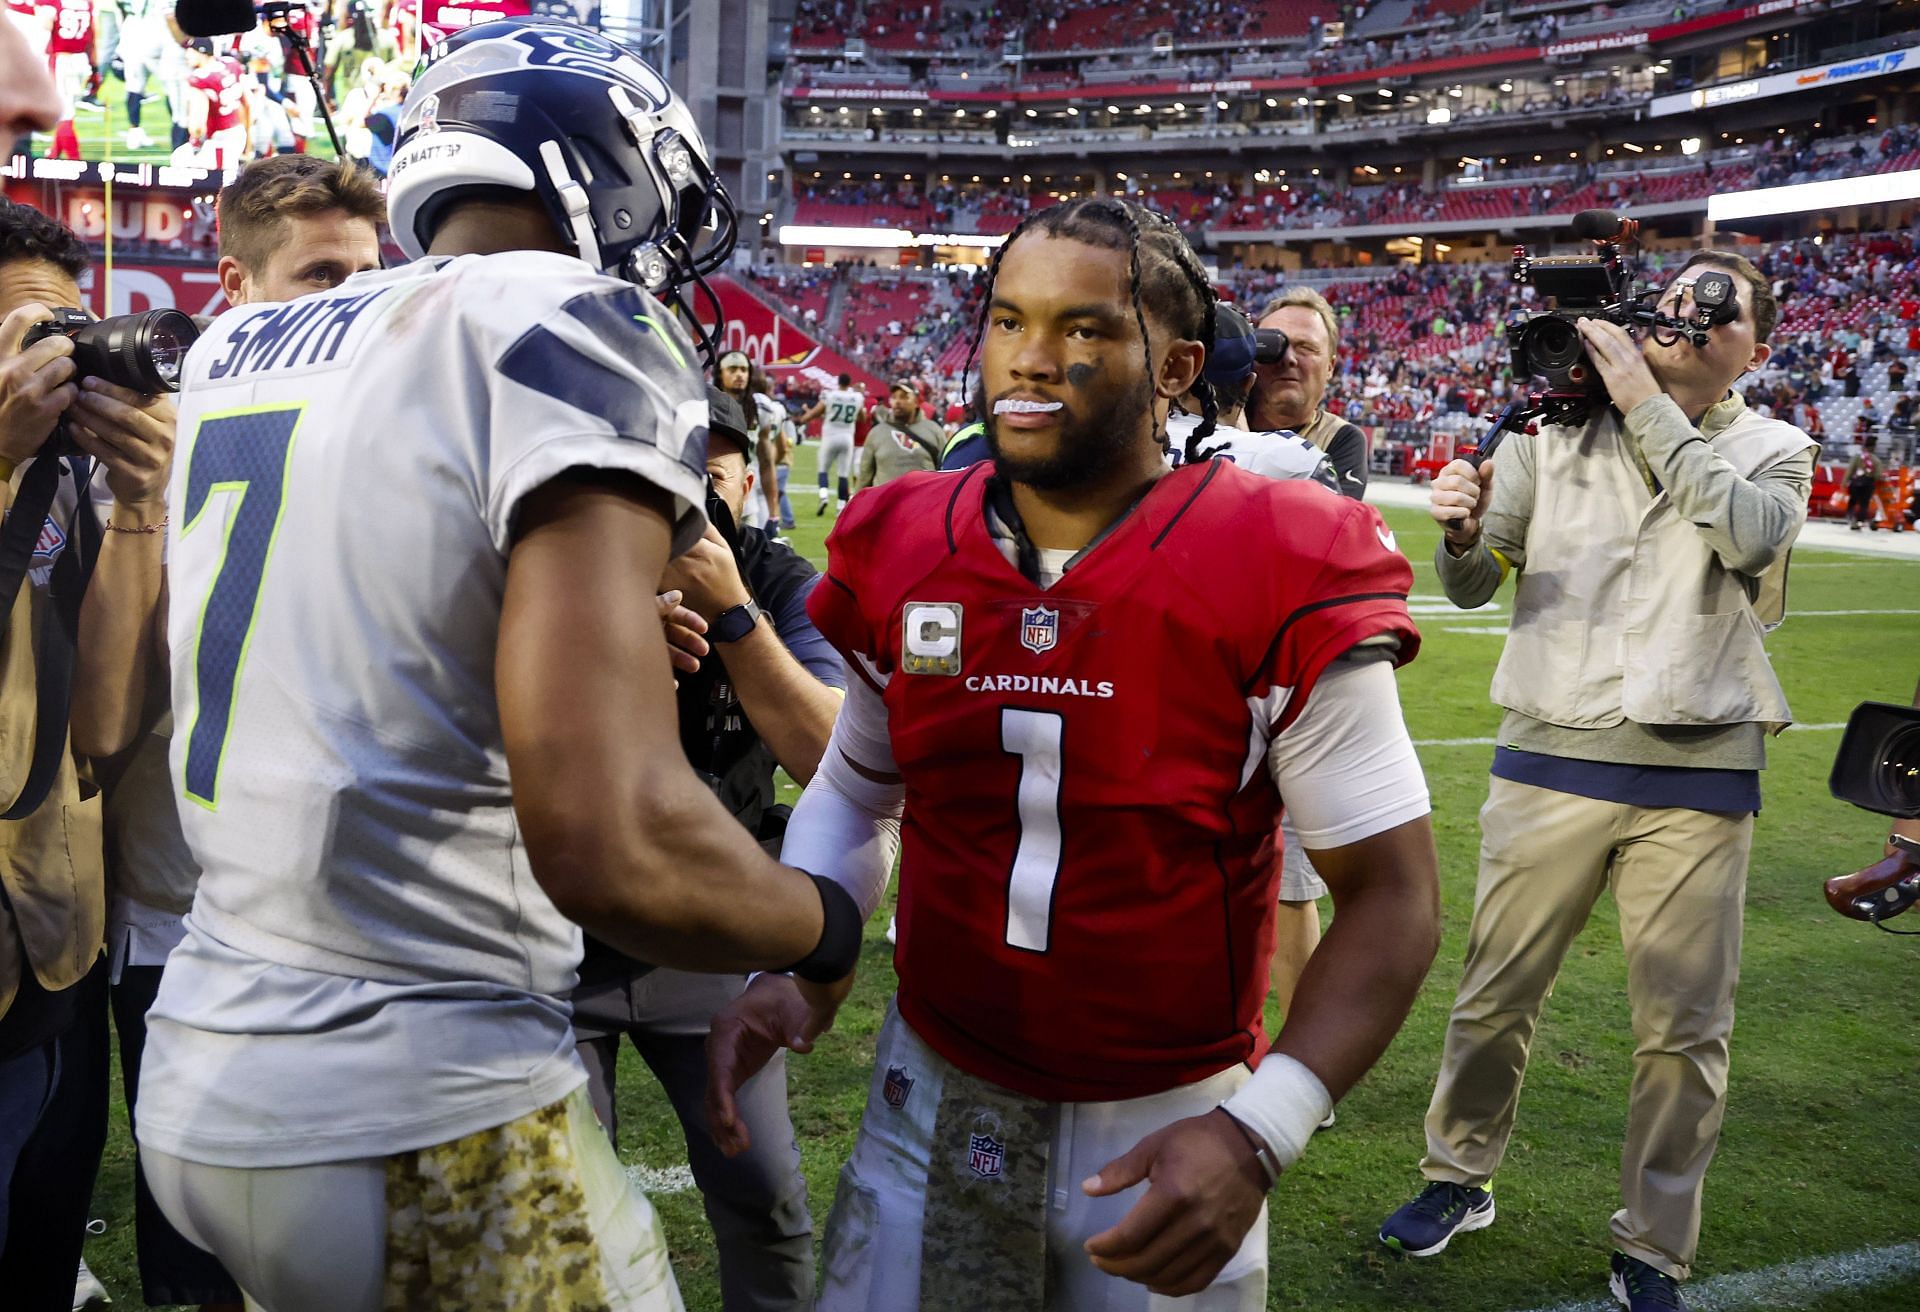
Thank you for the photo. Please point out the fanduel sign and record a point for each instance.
(1780, 84)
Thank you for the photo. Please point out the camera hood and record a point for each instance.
(1878, 765)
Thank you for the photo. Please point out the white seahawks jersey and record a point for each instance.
(343, 501)
(769, 416)
(842, 413)
(1279, 453)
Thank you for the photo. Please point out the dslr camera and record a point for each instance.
(144, 352)
(1878, 769)
(1546, 344)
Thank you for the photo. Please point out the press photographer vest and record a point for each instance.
(50, 862)
(1623, 611)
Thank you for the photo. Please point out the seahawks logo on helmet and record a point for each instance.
(549, 43)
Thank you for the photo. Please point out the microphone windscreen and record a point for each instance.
(1590, 225)
(215, 17)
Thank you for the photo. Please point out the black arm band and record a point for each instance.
(838, 951)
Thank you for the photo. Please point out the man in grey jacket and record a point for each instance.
(1650, 548)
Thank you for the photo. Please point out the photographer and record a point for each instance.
(53, 1062)
(1650, 550)
(1289, 394)
(766, 693)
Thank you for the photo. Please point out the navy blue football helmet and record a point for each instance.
(560, 111)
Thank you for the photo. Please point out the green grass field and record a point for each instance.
(93, 127)
(1819, 1154)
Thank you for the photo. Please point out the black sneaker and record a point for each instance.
(1643, 1288)
(1424, 1226)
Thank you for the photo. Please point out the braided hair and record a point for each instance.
(1162, 271)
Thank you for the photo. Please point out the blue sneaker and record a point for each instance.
(1444, 1209)
(1643, 1288)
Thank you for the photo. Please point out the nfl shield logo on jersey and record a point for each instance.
(1039, 628)
(898, 1087)
(985, 1156)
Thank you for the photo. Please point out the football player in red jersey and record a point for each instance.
(224, 118)
(70, 59)
(1089, 678)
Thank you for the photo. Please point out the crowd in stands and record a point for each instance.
(1228, 206)
(1261, 29)
(1423, 348)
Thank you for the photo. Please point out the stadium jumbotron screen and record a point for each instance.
(137, 91)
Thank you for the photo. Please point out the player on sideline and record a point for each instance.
(1091, 705)
(426, 715)
(838, 411)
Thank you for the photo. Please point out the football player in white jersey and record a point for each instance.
(734, 376)
(1229, 373)
(426, 717)
(838, 411)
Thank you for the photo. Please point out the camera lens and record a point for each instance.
(1895, 773)
(167, 348)
(1552, 344)
(144, 352)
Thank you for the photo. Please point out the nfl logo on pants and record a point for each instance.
(985, 1155)
(1039, 628)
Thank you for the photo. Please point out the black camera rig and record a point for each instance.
(1556, 381)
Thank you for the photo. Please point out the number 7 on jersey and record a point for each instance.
(243, 453)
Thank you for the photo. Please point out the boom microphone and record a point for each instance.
(216, 17)
(1588, 225)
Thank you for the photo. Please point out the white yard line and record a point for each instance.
(1494, 742)
(1800, 1284)
(1818, 614)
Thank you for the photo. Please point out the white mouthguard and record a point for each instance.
(1017, 407)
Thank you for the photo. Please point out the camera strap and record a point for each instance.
(55, 642)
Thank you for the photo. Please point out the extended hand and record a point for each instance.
(1622, 368)
(708, 576)
(131, 434)
(683, 627)
(776, 1011)
(1459, 498)
(1205, 1194)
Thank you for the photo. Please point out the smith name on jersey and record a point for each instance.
(1082, 916)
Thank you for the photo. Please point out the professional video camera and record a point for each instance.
(1878, 769)
(1546, 344)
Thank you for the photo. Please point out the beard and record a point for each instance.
(1087, 449)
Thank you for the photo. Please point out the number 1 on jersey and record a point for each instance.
(244, 453)
(1035, 737)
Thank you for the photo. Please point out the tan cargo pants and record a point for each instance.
(1679, 880)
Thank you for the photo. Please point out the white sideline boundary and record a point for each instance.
(1495, 742)
(1802, 1283)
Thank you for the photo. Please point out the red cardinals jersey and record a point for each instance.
(72, 27)
(225, 84)
(1082, 915)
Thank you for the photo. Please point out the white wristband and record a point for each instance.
(1282, 1103)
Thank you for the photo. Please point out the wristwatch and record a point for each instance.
(736, 622)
